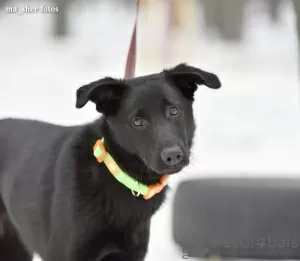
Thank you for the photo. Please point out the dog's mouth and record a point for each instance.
(174, 171)
(169, 171)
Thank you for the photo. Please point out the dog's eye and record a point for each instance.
(173, 111)
(138, 122)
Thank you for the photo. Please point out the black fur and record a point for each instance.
(60, 202)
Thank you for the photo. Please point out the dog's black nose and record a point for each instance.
(172, 155)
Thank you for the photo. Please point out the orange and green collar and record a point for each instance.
(136, 187)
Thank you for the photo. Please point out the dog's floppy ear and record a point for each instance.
(187, 78)
(106, 93)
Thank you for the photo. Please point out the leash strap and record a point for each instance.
(131, 56)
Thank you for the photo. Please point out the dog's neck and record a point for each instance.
(128, 162)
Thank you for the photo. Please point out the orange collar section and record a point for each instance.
(137, 188)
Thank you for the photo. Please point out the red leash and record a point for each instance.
(131, 56)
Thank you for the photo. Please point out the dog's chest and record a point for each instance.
(136, 209)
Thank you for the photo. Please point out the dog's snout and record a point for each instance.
(172, 155)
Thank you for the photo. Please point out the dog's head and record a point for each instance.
(151, 116)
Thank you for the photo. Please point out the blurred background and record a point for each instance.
(250, 126)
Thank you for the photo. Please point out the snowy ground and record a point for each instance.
(250, 127)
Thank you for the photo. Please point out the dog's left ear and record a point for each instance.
(106, 93)
(187, 78)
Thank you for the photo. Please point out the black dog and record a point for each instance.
(61, 202)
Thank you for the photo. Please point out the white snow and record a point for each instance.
(250, 127)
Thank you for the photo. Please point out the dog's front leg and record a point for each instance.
(136, 254)
(134, 244)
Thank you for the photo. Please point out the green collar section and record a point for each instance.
(135, 186)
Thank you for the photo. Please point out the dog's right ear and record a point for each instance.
(106, 93)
